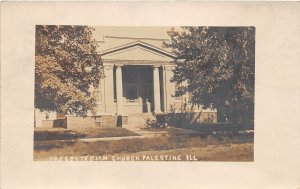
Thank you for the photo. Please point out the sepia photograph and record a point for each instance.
(129, 93)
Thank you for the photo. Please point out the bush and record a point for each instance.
(160, 121)
(187, 121)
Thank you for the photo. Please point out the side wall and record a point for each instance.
(169, 88)
(73, 122)
(105, 120)
(42, 116)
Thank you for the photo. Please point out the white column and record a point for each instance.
(156, 90)
(165, 90)
(119, 88)
(108, 93)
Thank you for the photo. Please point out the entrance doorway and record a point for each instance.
(137, 88)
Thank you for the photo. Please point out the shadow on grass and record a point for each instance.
(48, 145)
(171, 142)
(176, 138)
(57, 135)
(216, 134)
(50, 135)
(229, 128)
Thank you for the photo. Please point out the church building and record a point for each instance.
(137, 83)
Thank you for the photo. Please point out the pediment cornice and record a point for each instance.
(136, 62)
(140, 44)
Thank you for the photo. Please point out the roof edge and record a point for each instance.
(138, 43)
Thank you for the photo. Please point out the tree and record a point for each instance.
(218, 65)
(66, 66)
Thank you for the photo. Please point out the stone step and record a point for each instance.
(137, 121)
(138, 118)
(132, 120)
(144, 115)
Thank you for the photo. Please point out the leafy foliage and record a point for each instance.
(218, 65)
(66, 66)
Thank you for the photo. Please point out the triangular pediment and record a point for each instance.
(137, 51)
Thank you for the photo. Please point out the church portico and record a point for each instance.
(137, 79)
(136, 89)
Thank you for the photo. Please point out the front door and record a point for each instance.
(137, 87)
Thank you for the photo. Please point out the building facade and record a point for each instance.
(137, 82)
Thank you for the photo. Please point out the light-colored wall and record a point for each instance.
(101, 33)
(169, 89)
(40, 116)
(101, 97)
(72, 122)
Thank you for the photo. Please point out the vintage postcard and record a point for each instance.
(150, 95)
(144, 93)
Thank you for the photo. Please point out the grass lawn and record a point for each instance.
(65, 134)
(225, 152)
(205, 147)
